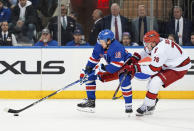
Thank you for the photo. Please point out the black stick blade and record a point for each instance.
(115, 98)
(11, 110)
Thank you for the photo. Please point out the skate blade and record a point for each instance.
(87, 110)
(146, 113)
(138, 114)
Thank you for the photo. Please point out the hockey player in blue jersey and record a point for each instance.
(115, 55)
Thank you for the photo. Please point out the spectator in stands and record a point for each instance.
(5, 13)
(180, 27)
(126, 40)
(192, 39)
(46, 39)
(7, 38)
(78, 41)
(171, 37)
(191, 43)
(78, 25)
(23, 20)
(97, 26)
(116, 23)
(141, 25)
(67, 26)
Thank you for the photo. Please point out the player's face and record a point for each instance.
(103, 44)
(150, 45)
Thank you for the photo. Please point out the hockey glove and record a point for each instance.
(130, 69)
(134, 59)
(84, 74)
(99, 70)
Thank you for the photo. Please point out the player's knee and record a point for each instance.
(154, 84)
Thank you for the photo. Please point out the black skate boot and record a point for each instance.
(146, 110)
(87, 106)
(128, 109)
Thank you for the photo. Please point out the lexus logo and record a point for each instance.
(59, 69)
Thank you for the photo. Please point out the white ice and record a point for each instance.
(61, 115)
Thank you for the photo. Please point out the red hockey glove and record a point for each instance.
(134, 59)
(131, 69)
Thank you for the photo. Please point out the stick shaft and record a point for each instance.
(114, 96)
(42, 99)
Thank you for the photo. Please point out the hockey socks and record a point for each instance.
(127, 95)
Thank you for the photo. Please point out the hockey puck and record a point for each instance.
(16, 114)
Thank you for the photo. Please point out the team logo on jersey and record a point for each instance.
(118, 54)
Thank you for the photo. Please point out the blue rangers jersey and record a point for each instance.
(115, 56)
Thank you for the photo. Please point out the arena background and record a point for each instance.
(41, 71)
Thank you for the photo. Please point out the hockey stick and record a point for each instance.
(9, 110)
(146, 59)
(116, 91)
(114, 96)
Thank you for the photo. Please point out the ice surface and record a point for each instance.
(61, 115)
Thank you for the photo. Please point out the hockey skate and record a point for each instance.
(87, 106)
(146, 110)
(128, 109)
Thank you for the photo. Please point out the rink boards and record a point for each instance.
(33, 72)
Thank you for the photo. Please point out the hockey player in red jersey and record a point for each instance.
(169, 64)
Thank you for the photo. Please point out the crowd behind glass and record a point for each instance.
(25, 22)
